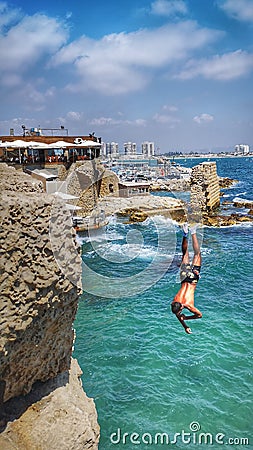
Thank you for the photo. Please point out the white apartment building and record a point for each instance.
(112, 149)
(148, 149)
(242, 148)
(103, 149)
(130, 148)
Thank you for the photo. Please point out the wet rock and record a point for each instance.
(226, 182)
(221, 220)
(138, 216)
(243, 204)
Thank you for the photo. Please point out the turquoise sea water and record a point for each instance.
(146, 375)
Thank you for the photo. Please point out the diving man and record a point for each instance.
(189, 277)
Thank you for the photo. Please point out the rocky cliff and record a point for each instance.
(40, 285)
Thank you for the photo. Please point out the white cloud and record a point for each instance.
(220, 67)
(140, 122)
(32, 38)
(8, 16)
(109, 121)
(125, 62)
(170, 108)
(168, 7)
(241, 10)
(74, 115)
(166, 119)
(203, 118)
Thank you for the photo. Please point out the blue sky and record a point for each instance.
(176, 72)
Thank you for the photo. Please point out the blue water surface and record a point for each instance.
(146, 375)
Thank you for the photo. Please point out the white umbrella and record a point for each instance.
(34, 144)
(4, 144)
(17, 144)
(88, 143)
(60, 144)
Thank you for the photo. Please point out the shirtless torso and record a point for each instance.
(185, 296)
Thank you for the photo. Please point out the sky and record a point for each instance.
(178, 73)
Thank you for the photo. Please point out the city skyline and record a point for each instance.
(175, 72)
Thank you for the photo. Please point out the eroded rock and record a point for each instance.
(40, 285)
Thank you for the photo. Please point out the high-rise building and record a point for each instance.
(103, 149)
(130, 148)
(242, 148)
(148, 149)
(112, 149)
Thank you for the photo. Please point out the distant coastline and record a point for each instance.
(205, 156)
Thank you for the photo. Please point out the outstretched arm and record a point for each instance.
(181, 320)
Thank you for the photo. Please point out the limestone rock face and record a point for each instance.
(55, 415)
(40, 285)
(38, 299)
(39, 294)
(15, 180)
(149, 204)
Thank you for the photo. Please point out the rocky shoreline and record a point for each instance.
(139, 208)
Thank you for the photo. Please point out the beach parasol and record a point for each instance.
(18, 143)
(88, 143)
(35, 144)
(60, 144)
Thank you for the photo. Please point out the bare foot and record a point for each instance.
(188, 330)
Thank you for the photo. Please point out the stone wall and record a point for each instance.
(40, 285)
(109, 184)
(89, 181)
(205, 189)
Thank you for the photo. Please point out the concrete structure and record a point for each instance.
(130, 148)
(130, 189)
(205, 189)
(112, 149)
(242, 149)
(148, 149)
